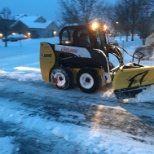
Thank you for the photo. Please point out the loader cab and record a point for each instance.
(88, 36)
(96, 39)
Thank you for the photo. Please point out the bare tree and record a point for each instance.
(120, 19)
(144, 22)
(81, 11)
(5, 22)
(6, 13)
(140, 16)
(132, 15)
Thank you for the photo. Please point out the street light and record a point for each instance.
(116, 27)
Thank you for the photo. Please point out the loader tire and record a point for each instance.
(88, 80)
(62, 78)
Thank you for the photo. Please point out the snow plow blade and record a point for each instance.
(47, 60)
(128, 82)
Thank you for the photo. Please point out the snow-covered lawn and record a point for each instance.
(20, 62)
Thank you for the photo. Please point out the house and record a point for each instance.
(152, 22)
(34, 26)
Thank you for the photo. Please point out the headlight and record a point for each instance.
(95, 25)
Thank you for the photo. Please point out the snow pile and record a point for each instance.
(145, 96)
(23, 75)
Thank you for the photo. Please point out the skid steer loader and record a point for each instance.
(82, 58)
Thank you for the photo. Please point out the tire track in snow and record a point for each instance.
(39, 99)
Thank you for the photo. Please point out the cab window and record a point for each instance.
(67, 37)
(101, 39)
(83, 39)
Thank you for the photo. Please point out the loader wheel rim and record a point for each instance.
(60, 79)
(86, 81)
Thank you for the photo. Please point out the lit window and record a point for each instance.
(54, 33)
(1, 35)
(29, 35)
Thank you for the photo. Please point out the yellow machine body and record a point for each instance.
(47, 60)
(127, 81)
(133, 77)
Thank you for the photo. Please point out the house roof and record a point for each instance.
(18, 16)
(33, 22)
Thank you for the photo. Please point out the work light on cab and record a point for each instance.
(95, 25)
(105, 27)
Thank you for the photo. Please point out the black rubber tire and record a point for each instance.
(62, 78)
(88, 80)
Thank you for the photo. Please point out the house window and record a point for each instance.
(29, 35)
(54, 33)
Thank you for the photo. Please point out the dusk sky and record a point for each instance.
(46, 8)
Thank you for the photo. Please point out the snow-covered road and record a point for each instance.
(20, 109)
